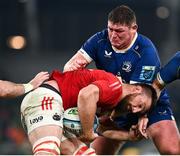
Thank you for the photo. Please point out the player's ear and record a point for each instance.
(134, 27)
(138, 89)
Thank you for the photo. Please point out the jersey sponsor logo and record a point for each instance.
(127, 66)
(107, 54)
(46, 103)
(147, 73)
(163, 112)
(57, 117)
(36, 120)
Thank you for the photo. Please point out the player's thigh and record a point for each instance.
(165, 136)
(104, 146)
(163, 129)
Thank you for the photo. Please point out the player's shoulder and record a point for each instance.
(144, 40)
(101, 35)
(144, 46)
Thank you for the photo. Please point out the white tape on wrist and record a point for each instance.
(160, 80)
(28, 87)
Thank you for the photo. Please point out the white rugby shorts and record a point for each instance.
(41, 107)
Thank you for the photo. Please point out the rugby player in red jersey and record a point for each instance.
(42, 109)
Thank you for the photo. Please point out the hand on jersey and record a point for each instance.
(77, 64)
(39, 79)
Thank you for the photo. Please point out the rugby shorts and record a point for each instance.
(41, 107)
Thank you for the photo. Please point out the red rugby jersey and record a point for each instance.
(70, 83)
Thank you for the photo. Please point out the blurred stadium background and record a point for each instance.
(38, 35)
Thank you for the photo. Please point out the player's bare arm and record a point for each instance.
(76, 62)
(10, 89)
(87, 105)
(109, 130)
(123, 135)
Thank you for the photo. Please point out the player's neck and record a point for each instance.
(127, 45)
(126, 90)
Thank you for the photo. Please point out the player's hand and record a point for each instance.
(142, 126)
(39, 79)
(134, 134)
(88, 137)
(105, 120)
(77, 64)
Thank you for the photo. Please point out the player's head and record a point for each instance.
(122, 15)
(140, 101)
(121, 26)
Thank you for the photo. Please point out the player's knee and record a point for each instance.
(84, 150)
(67, 148)
(47, 146)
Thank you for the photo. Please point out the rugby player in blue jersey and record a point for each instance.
(121, 50)
(169, 73)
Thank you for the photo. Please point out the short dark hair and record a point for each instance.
(149, 90)
(123, 15)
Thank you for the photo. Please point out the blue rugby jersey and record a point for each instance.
(139, 63)
(171, 71)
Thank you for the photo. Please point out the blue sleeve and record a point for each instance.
(148, 65)
(171, 71)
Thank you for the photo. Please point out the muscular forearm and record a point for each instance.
(10, 89)
(87, 104)
(87, 109)
(116, 134)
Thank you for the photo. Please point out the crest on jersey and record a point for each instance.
(107, 54)
(147, 73)
(127, 66)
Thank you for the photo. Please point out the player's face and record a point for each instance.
(120, 36)
(135, 103)
(138, 103)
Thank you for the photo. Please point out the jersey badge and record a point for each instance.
(127, 66)
(107, 54)
(147, 73)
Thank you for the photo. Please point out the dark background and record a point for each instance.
(54, 30)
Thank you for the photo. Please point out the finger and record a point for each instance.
(95, 135)
(145, 123)
(81, 62)
(134, 127)
(74, 67)
(42, 73)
